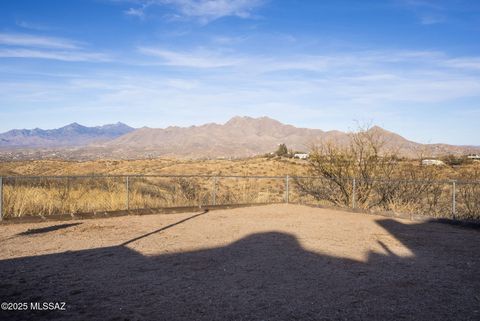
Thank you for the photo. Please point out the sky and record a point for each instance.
(409, 66)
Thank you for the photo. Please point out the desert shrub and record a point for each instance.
(468, 193)
(456, 160)
(468, 200)
(382, 180)
(282, 150)
(362, 158)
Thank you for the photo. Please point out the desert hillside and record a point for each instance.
(247, 136)
(252, 166)
(239, 137)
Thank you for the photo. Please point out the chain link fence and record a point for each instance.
(433, 198)
(43, 196)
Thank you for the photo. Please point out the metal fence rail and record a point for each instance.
(49, 195)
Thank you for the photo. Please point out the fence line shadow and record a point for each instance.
(47, 229)
(164, 228)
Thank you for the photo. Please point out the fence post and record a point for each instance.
(1, 198)
(287, 189)
(454, 201)
(354, 190)
(214, 192)
(127, 187)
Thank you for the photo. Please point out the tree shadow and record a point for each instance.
(47, 229)
(265, 276)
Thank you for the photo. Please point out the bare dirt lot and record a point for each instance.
(276, 262)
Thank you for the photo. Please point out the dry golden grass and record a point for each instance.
(86, 195)
(251, 166)
(27, 196)
(246, 167)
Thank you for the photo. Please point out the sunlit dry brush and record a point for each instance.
(383, 182)
(365, 174)
(250, 166)
(94, 193)
(98, 194)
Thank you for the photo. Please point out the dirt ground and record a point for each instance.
(275, 262)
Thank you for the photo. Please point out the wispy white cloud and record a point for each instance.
(139, 11)
(432, 4)
(136, 12)
(469, 63)
(203, 10)
(369, 78)
(214, 9)
(54, 55)
(26, 40)
(355, 82)
(20, 45)
(428, 12)
(197, 59)
(429, 19)
(227, 40)
(32, 25)
(202, 57)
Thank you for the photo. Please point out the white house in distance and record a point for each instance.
(429, 162)
(301, 156)
(474, 156)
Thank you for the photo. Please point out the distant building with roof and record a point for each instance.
(301, 155)
(429, 162)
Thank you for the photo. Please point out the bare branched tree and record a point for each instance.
(365, 157)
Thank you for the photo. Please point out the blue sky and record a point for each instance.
(410, 66)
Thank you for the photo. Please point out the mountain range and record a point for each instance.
(238, 137)
(68, 136)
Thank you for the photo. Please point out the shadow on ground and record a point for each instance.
(266, 276)
(47, 229)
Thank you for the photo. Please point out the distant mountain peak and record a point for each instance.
(237, 120)
(72, 134)
(116, 125)
(73, 125)
(241, 120)
(377, 128)
(249, 118)
(119, 123)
